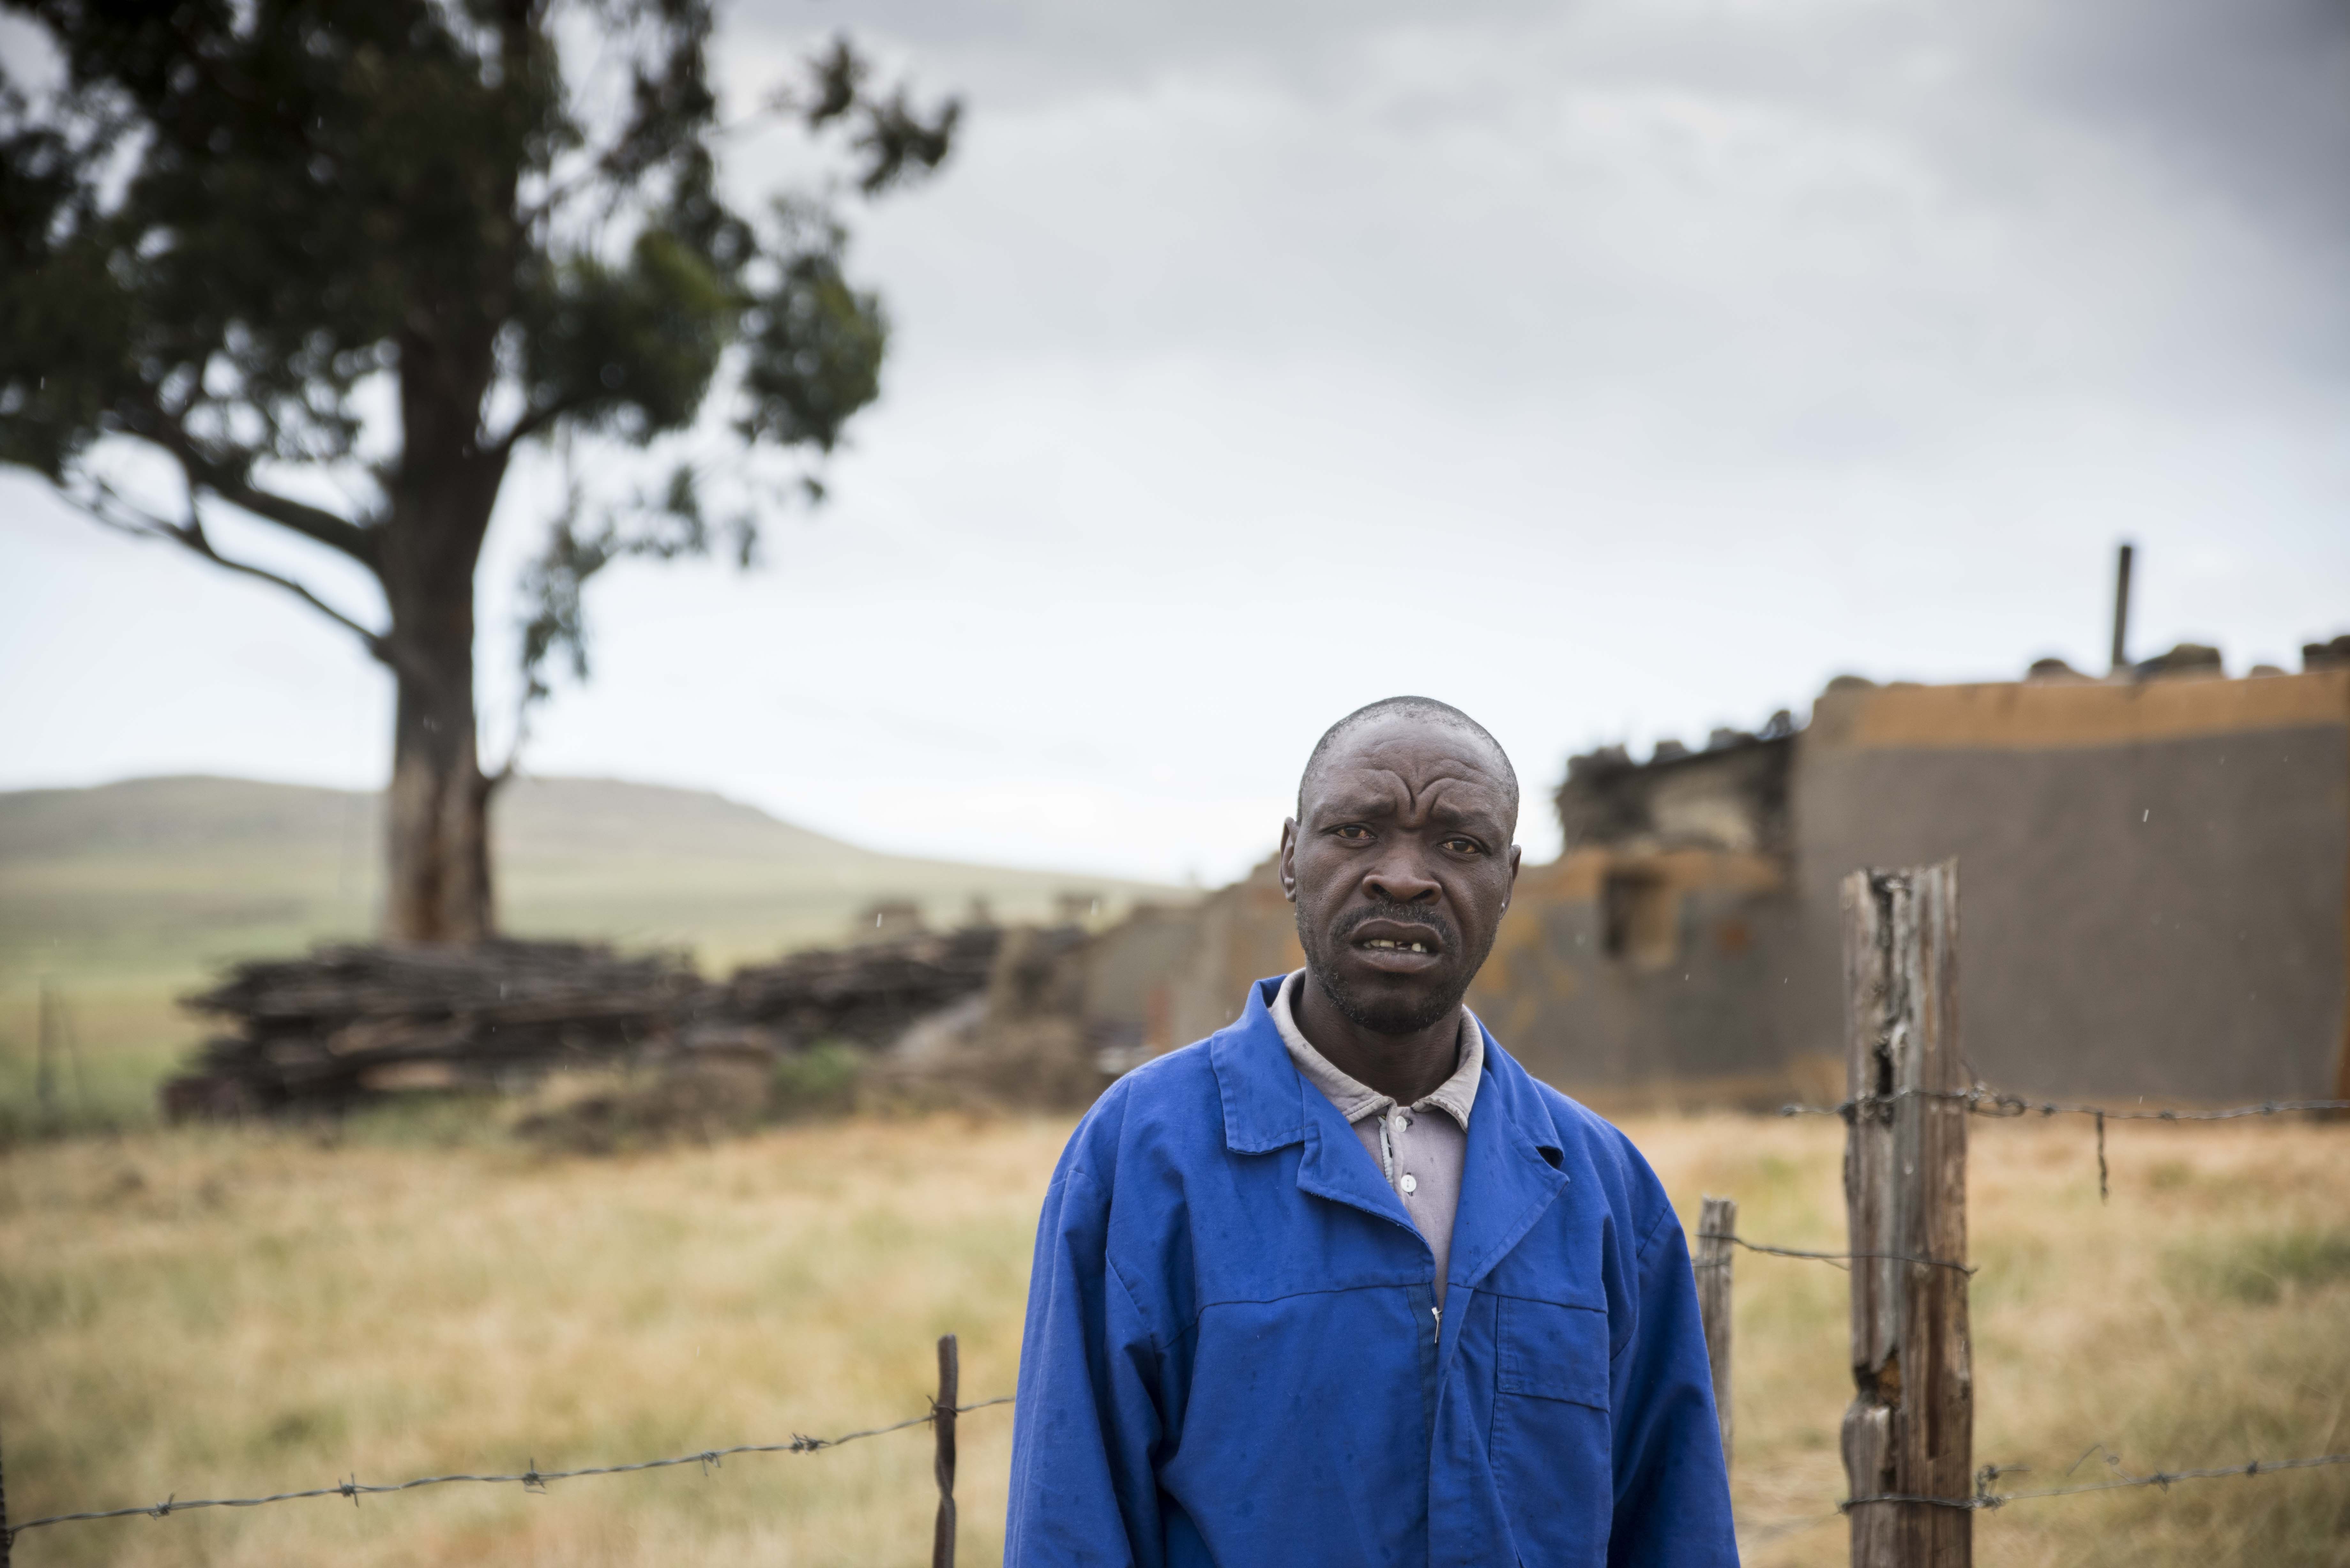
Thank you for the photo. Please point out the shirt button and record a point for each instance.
(1410, 1183)
(1401, 1121)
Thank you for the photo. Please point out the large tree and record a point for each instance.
(335, 263)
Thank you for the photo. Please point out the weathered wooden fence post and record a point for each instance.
(1909, 1433)
(942, 1423)
(1717, 1223)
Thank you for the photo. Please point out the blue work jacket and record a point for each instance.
(1233, 1354)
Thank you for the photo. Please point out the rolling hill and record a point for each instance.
(124, 894)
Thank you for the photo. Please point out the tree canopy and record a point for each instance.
(387, 243)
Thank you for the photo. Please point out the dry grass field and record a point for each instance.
(227, 1312)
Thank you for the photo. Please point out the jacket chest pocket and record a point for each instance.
(1551, 1352)
(1552, 1450)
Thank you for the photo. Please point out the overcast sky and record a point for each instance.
(1612, 371)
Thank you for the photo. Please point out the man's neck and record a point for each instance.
(1407, 1068)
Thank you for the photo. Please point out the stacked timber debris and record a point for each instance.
(351, 1021)
(869, 994)
(348, 1023)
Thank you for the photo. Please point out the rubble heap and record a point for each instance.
(348, 1021)
(869, 994)
(351, 1021)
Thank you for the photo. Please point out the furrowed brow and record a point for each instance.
(1359, 798)
(1481, 804)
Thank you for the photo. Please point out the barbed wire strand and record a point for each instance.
(1985, 1101)
(531, 1479)
(1838, 1259)
(1984, 1498)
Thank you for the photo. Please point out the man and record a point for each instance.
(1342, 1283)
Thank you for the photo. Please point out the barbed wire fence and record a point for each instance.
(1985, 1499)
(1982, 1100)
(940, 1417)
(1984, 1496)
(1891, 960)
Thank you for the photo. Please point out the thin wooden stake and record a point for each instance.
(1717, 1223)
(942, 1534)
(6, 1540)
(45, 1073)
(1909, 1432)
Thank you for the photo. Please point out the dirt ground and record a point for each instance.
(228, 1312)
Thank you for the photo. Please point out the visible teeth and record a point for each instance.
(1386, 944)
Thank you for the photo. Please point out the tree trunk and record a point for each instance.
(437, 817)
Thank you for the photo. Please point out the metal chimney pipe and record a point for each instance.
(2121, 612)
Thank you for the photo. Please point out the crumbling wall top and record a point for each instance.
(1732, 795)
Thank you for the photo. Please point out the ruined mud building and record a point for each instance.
(2156, 872)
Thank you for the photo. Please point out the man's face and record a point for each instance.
(1400, 867)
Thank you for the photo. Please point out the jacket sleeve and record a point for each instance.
(1672, 1487)
(1087, 1422)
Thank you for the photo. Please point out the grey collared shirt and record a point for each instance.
(1418, 1152)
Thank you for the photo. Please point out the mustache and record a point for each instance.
(1402, 914)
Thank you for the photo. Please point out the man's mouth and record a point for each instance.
(1398, 947)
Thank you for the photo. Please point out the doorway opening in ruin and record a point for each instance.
(1641, 915)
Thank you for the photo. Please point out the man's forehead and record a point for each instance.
(1412, 748)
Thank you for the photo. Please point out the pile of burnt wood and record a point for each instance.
(869, 994)
(347, 1022)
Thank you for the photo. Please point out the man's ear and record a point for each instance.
(1517, 858)
(1289, 858)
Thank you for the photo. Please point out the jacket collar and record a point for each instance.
(1510, 1172)
(1264, 1106)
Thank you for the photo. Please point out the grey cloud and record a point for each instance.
(1520, 195)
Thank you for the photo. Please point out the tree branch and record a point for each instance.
(312, 522)
(227, 481)
(106, 506)
(496, 778)
(530, 214)
(531, 423)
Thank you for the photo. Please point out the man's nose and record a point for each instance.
(1400, 879)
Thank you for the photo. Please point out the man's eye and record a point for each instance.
(1464, 845)
(1354, 830)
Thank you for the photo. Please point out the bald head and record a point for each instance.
(1407, 711)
